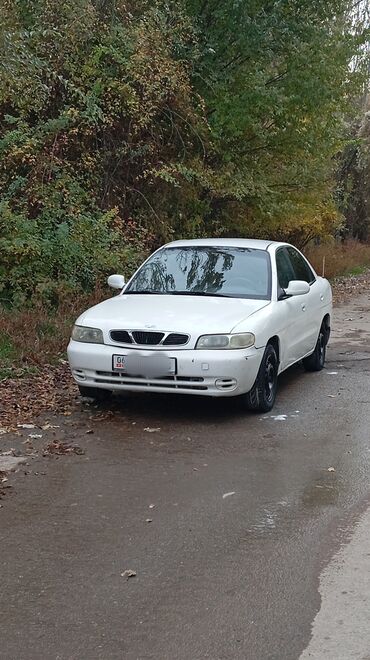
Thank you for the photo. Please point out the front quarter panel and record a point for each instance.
(261, 324)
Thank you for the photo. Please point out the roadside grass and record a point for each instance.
(341, 259)
(7, 355)
(37, 336)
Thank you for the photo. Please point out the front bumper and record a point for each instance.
(209, 373)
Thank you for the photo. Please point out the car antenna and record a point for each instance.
(323, 266)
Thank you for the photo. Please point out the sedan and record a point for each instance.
(210, 317)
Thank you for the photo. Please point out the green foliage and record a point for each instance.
(7, 351)
(124, 124)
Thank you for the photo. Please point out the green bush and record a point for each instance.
(42, 258)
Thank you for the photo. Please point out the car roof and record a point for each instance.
(226, 242)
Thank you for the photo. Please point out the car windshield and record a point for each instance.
(209, 271)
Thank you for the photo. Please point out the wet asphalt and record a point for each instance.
(227, 518)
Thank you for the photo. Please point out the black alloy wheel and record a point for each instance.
(261, 397)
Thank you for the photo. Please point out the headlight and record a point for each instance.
(242, 340)
(88, 335)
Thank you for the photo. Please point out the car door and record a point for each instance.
(311, 302)
(291, 317)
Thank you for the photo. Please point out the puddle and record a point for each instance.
(324, 491)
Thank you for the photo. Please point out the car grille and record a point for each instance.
(145, 338)
(176, 340)
(122, 336)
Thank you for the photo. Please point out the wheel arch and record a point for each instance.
(275, 342)
(326, 325)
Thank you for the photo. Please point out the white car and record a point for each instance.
(211, 317)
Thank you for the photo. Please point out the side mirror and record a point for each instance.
(297, 288)
(116, 281)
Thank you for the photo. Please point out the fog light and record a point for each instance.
(226, 383)
(79, 374)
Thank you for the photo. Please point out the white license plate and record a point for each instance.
(147, 366)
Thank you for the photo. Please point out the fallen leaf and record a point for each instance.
(150, 430)
(26, 426)
(34, 436)
(128, 574)
(151, 506)
(149, 520)
(89, 431)
(228, 494)
(331, 469)
(61, 449)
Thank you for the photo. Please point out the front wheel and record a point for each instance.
(261, 397)
(316, 361)
(95, 393)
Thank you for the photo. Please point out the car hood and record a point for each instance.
(189, 314)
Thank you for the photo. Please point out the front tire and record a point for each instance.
(316, 361)
(261, 397)
(95, 393)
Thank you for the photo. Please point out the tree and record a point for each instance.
(278, 78)
(124, 124)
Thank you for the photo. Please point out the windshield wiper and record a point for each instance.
(176, 293)
(197, 293)
(145, 291)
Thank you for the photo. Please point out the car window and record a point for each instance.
(285, 272)
(206, 270)
(301, 268)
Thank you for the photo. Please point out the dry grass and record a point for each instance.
(38, 336)
(348, 258)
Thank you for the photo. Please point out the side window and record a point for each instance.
(284, 269)
(301, 268)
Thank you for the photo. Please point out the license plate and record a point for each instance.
(147, 366)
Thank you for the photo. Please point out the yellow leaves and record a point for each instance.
(72, 112)
(88, 160)
(311, 221)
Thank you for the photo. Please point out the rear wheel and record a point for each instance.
(316, 361)
(95, 393)
(261, 397)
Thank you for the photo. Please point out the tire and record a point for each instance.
(316, 361)
(95, 393)
(261, 397)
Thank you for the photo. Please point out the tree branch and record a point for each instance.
(276, 78)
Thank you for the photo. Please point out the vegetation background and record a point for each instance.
(127, 123)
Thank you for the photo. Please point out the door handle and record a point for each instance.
(303, 308)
